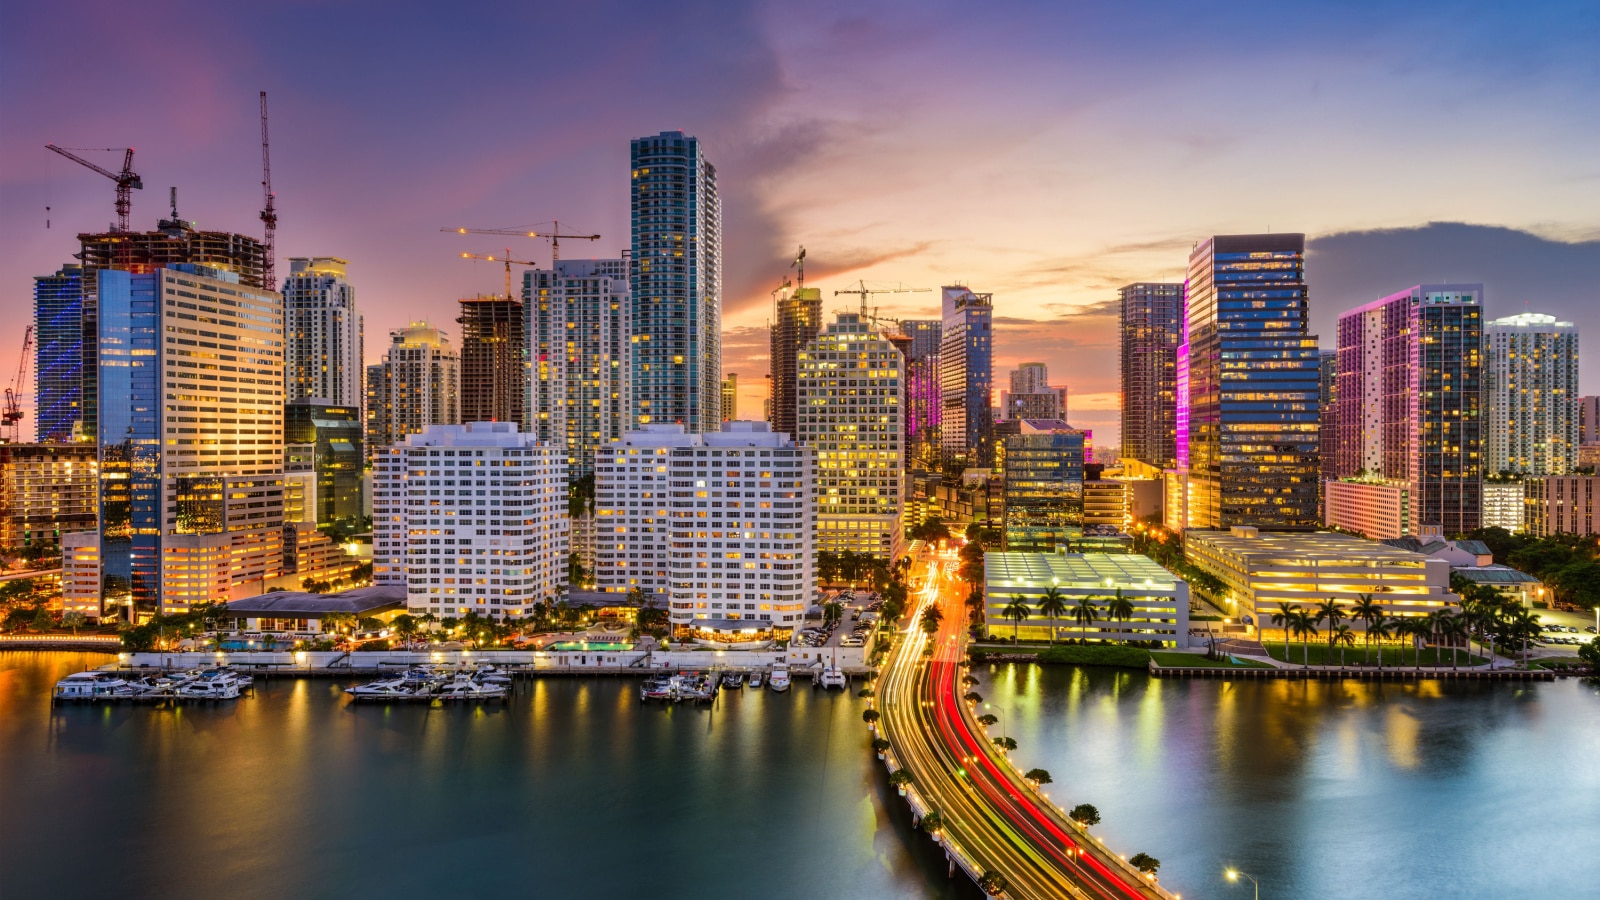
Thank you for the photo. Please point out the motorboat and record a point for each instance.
(833, 677)
(779, 680)
(215, 684)
(470, 689)
(91, 686)
(755, 680)
(693, 687)
(733, 680)
(655, 689)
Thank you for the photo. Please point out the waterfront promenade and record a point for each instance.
(994, 820)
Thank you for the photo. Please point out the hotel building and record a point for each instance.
(1044, 488)
(923, 401)
(416, 385)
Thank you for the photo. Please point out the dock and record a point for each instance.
(1335, 673)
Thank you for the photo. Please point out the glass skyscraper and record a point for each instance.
(922, 391)
(1150, 316)
(966, 379)
(1252, 385)
(1043, 487)
(63, 316)
(676, 285)
(335, 434)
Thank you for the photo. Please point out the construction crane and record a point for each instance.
(861, 290)
(269, 211)
(11, 418)
(505, 259)
(127, 180)
(554, 236)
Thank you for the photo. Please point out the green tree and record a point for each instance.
(1343, 637)
(1331, 612)
(1052, 605)
(932, 618)
(1590, 653)
(832, 611)
(73, 620)
(405, 625)
(1017, 611)
(1304, 627)
(1084, 613)
(1006, 743)
(1120, 608)
(992, 883)
(1145, 863)
(1085, 814)
(1284, 618)
(1038, 776)
(827, 566)
(42, 620)
(1367, 612)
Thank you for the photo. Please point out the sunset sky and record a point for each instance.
(1045, 152)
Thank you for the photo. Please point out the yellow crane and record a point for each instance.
(861, 290)
(501, 259)
(554, 236)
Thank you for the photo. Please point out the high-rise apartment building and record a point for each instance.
(46, 491)
(494, 364)
(1150, 325)
(471, 518)
(1327, 410)
(730, 397)
(676, 284)
(579, 329)
(966, 379)
(324, 333)
(1031, 396)
(796, 321)
(1250, 434)
(1410, 400)
(736, 539)
(191, 454)
(1530, 381)
(1589, 420)
(64, 333)
(850, 393)
(332, 436)
(1043, 486)
(923, 399)
(415, 386)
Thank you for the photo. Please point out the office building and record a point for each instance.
(796, 322)
(1263, 571)
(1562, 504)
(1250, 433)
(1530, 383)
(923, 398)
(471, 518)
(46, 491)
(80, 574)
(1160, 600)
(63, 331)
(966, 379)
(579, 316)
(1031, 396)
(494, 360)
(416, 385)
(324, 333)
(1410, 400)
(676, 284)
(328, 440)
(1374, 508)
(1043, 468)
(730, 397)
(1503, 503)
(191, 457)
(850, 394)
(1150, 325)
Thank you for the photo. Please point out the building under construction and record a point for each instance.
(796, 321)
(176, 241)
(493, 360)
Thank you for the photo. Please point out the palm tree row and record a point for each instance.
(1487, 617)
(1053, 604)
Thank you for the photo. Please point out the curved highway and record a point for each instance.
(989, 811)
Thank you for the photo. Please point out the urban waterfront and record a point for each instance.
(1317, 788)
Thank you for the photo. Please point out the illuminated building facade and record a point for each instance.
(416, 385)
(966, 379)
(730, 397)
(796, 321)
(1530, 383)
(63, 328)
(1160, 601)
(325, 333)
(850, 412)
(1252, 385)
(1150, 325)
(923, 399)
(1562, 504)
(1043, 471)
(676, 284)
(330, 438)
(47, 491)
(494, 351)
(1503, 504)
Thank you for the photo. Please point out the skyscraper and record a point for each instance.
(1327, 412)
(1031, 396)
(494, 352)
(61, 331)
(1150, 317)
(1410, 400)
(676, 284)
(191, 457)
(1043, 485)
(1252, 386)
(923, 399)
(850, 395)
(966, 379)
(796, 321)
(1531, 387)
(578, 356)
(415, 386)
(333, 435)
(324, 333)
(730, 397)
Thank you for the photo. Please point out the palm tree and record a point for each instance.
(1017, 610)
(1344, 637)
(1368, 612)
(1304, 626)
(1085, 613)
(1284, 618)
(1052, 604)
(1401, 628)
(1121, 609)
(1452, 627)
(1378, 629)
(1330, 611)
(932, 618)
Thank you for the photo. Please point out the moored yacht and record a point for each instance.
(755, 680)
(733, 680)
(214, 684)
(779, 680)
(833, 677)
(91, 686)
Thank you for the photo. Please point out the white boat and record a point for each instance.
(655, 689)
(779, 681)
(733, 680)
(216, 684)
(91, 685)
(468, 689)
(755, 680)
(833, 677)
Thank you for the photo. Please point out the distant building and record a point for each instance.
(1531, 390)
(966, 379)
(333, 435)
(494, 360)
(796, 322)
(1043, 474)
(1503, 503)
(1589, 420)
(923, 398)
(416, 385)
(1373, 507)
(1150, 320)
(491, 538)
(730, 397)
(46, 491)
(1160, 600)
(80, 575)
(64, 333)
(324, 333)
(1562, 504)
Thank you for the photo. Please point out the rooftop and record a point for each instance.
(1496, 574)
(299, 604)
(1301, 546)
(1075, 570)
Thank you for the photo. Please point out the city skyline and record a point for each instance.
(814, 154)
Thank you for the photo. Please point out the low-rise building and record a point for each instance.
(1105, 502)
(1509, 582)
(298, 612)
(1503, 503)
(1562, 504)
(1159, 599)
(80, 574)
(1376, 508)
(1263, 571)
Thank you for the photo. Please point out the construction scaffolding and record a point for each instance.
(176, 241)
(493, 360)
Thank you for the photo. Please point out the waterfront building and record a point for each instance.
(1150, 326)
(1373, 507)
(1503, 503)
(1530, 383)
(1160, 599)
(302, 613)
(730, 397)
(631, 498)
(191, 459)
(1044, 487)
(796, 322)
(1263, 570)
(324, 333)
(80, 574)
(966, 378)
(471, 518)
(850, 394)
(1562, 504)
(46, 491)
(327, 440)
(1249, 385)
(923, 399)
(416, 385)
(64, 338)
(1410, 400)
(579, 316)
(676, 284)
(494, 360)
(1507, 582)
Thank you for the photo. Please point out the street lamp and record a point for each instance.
(1235, 875)
(1002, 710)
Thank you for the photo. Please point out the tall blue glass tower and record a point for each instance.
(63, 315)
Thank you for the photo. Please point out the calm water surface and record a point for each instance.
(574, 789)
